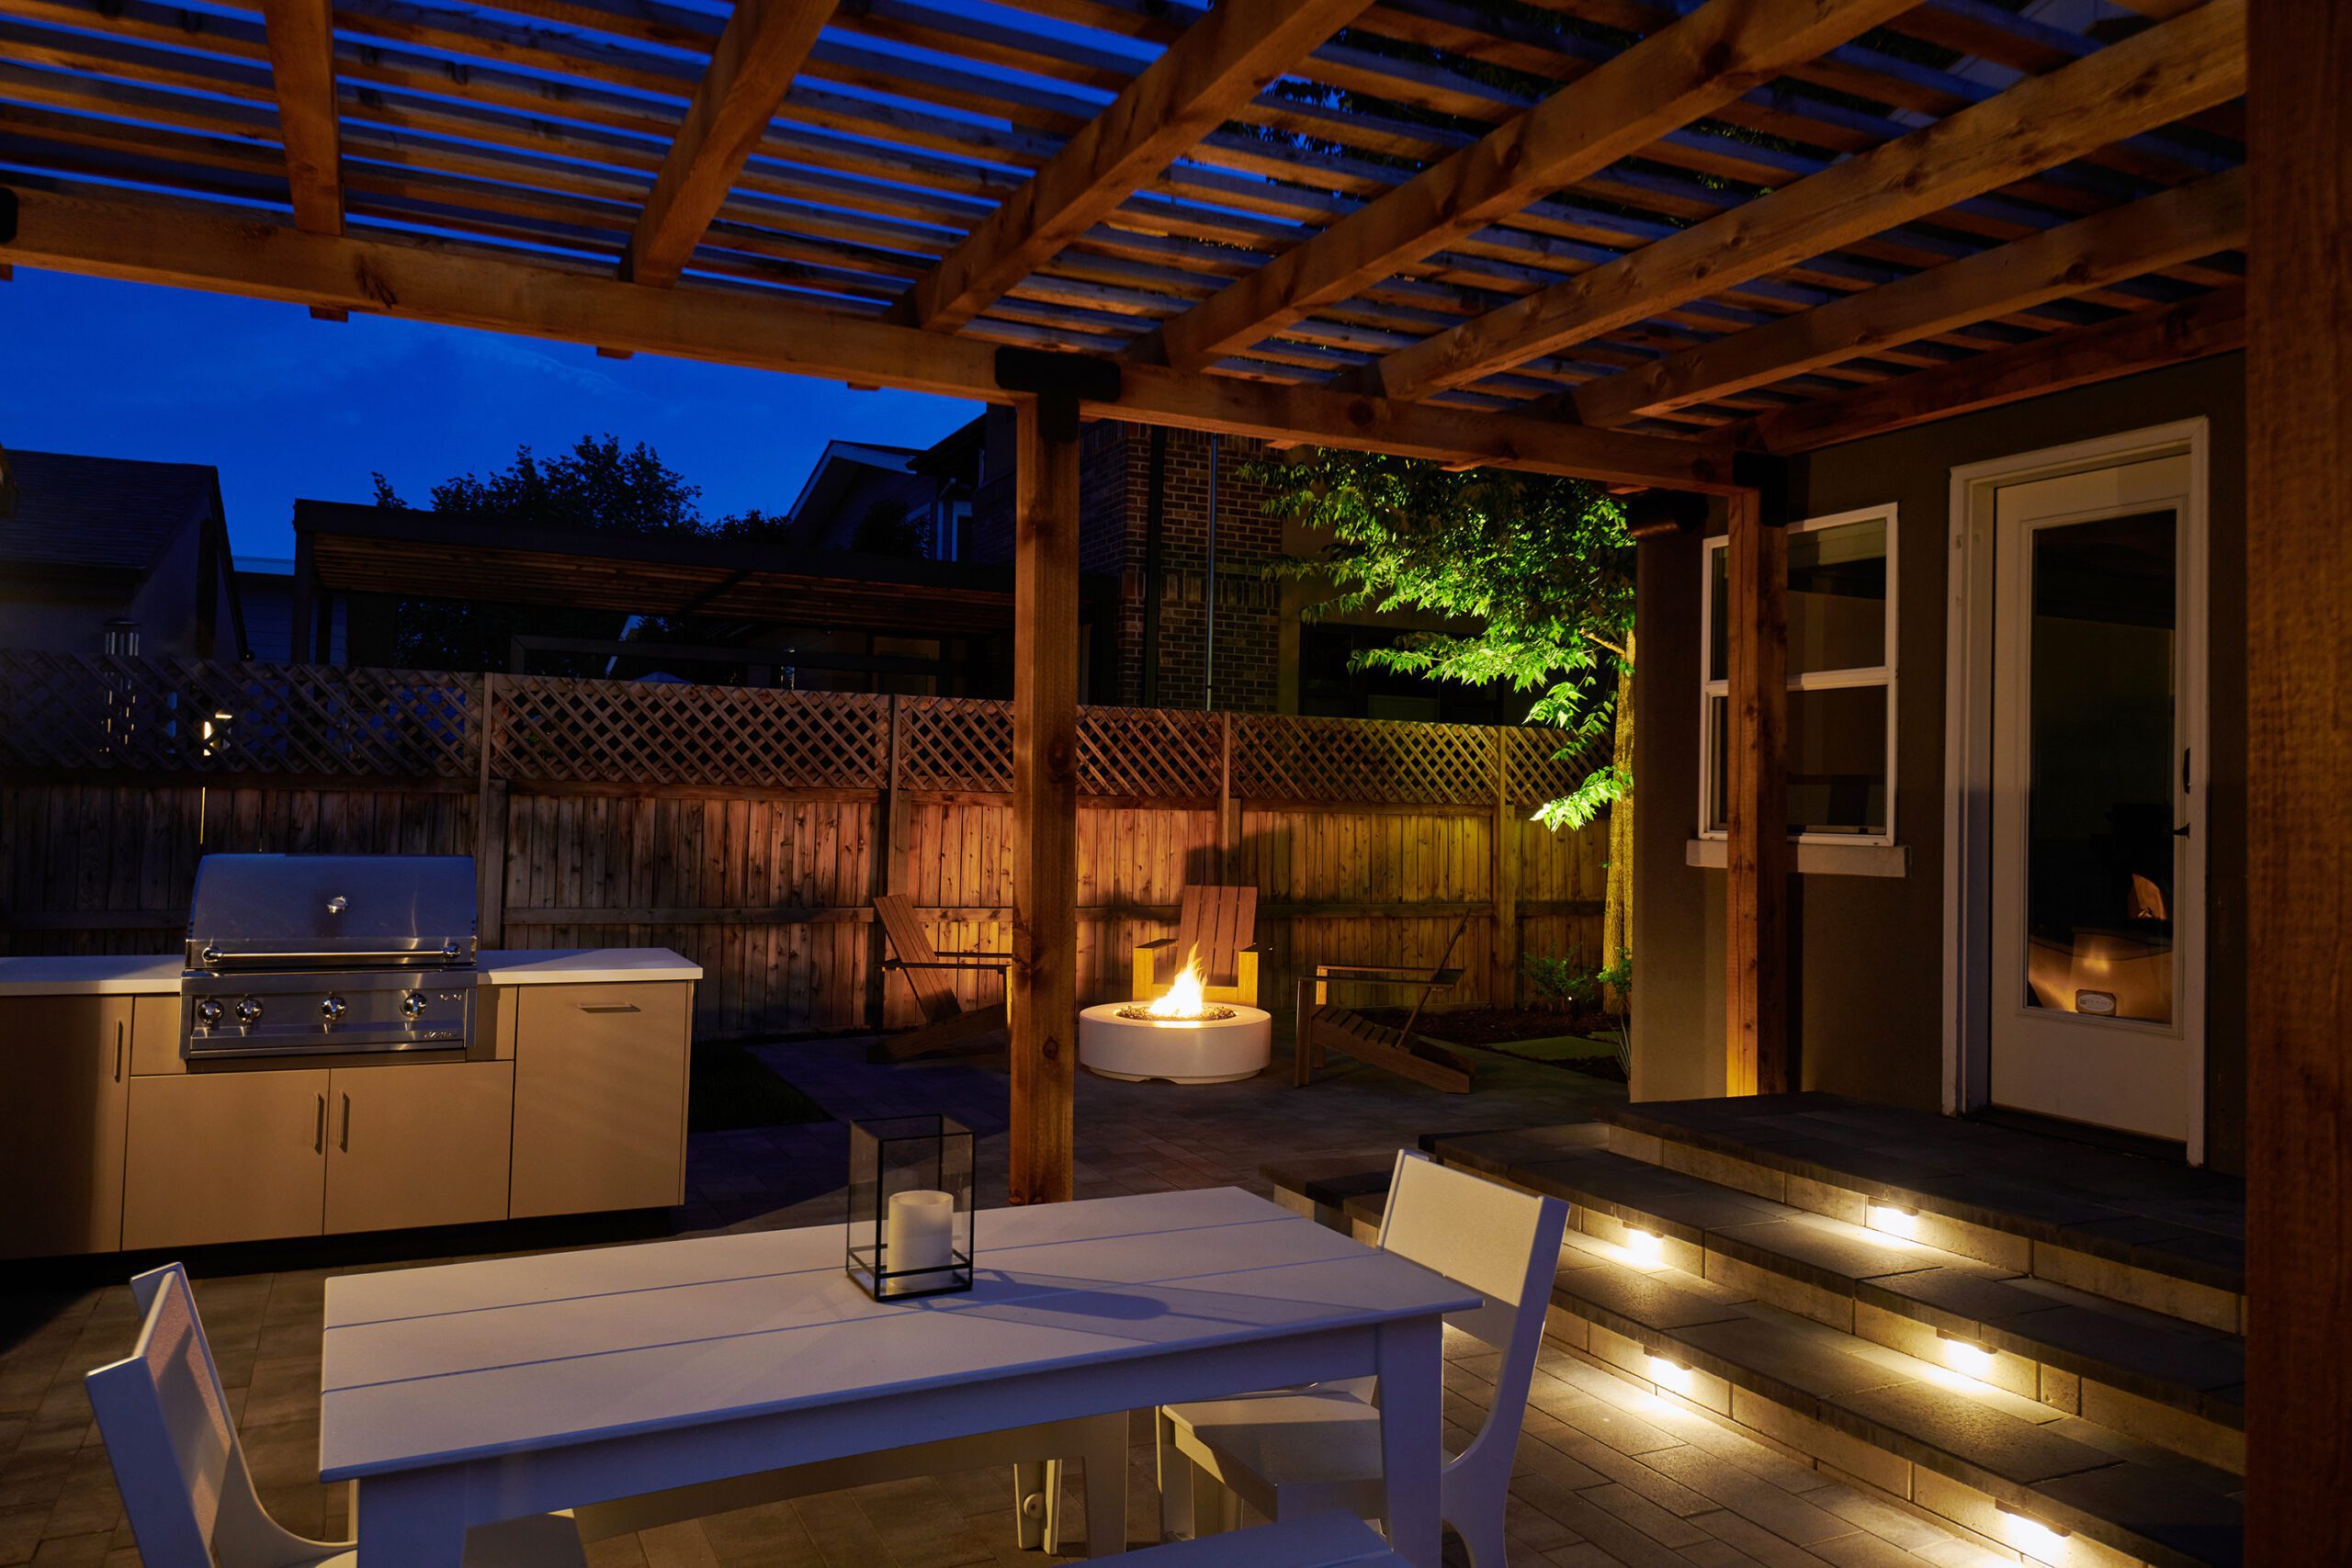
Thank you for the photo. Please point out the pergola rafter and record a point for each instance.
(302, 71)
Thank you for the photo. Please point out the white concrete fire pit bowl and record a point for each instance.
(1233, 1044)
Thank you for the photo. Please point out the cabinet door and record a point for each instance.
(225, 1156)
(600, 1098)
(67, 1073)
(418, 1144)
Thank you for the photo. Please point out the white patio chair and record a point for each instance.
(181, 1471)
(1290, 1452)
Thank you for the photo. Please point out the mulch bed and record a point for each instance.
(1500, 1028)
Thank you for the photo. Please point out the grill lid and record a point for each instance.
(292, 911)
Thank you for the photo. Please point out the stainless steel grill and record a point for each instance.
(289, 955)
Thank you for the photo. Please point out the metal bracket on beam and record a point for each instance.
(1769, 478)
(1060, 382)
(1661, 513)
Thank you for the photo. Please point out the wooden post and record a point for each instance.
(1041, 987)
(1228, 810)
(2299, 748)
(490, 828)
(1505, 874)
(1756, 884)
(888, 835)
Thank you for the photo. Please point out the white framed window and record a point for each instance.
(1841, 723)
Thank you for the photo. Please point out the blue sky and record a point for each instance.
(285, 406)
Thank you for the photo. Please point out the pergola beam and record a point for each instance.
(1669, 79)
(302, 71)
(750, 70)
(2145, 340)
(102, 233)
(1220, 64)
(2164, 74)
(2174, 225)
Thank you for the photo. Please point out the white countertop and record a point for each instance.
(110, 975)
(581, 966)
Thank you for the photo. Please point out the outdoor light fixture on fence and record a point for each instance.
(909, 1207)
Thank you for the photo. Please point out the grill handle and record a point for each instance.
(214, 955)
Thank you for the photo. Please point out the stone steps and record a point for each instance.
(2161, 1236)
(1913, 1369)
(2161, 1378)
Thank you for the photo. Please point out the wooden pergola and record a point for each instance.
(1657, 243)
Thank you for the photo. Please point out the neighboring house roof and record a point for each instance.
(831, 473)
(101, 514)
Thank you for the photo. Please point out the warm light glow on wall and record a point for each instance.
(1966, 1355)
(1894, 1220)
(2032, 1536)
(1647, 1247)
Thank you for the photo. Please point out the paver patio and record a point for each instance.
(1607, 1473)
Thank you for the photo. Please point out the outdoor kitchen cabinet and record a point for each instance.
(600, 1096)
(417, 1145)
(67, 1076)
(256, 1155)
(225, 1156)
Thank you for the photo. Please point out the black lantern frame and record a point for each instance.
(903, 1154)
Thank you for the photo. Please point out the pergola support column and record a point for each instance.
(1042, 984)
(1756, 858)
(2298, 751)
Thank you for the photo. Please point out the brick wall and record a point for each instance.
(1115, 498)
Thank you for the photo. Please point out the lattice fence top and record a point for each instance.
(1538, 771)
(559, 730)
(185, 716)
(189, 716)
(1153, 753)
(963, 743)
(1283, 757)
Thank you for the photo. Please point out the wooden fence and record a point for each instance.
(751, 828)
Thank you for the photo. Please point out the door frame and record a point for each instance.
(1968, 738)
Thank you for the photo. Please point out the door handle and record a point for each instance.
(2181, 831)
(346, 1124)
(117, 1052)
(319, 1138)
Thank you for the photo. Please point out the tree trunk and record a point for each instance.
(1617, 898)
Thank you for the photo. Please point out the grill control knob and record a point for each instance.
(208, 1013)
(333, 1009)
(412, 1005)
(248, 1010)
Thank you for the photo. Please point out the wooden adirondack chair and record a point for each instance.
(1323, 1026)
(1222, 923)
(946, 1021)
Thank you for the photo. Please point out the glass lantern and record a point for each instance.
(909, 1207)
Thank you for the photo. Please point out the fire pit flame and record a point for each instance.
(1183, 1001)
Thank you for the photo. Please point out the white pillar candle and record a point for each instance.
(920, 1233)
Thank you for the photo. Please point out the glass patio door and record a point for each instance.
(2097, 892)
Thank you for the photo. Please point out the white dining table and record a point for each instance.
(465, 1393)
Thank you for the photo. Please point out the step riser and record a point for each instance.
(2209, 1442)
(1679, 1375)
(2204, 1304)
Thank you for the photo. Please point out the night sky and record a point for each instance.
(285, 406)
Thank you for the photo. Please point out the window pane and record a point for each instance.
(1836, 757)
(2099, 848)
(1718, 629)
(1837, 597)
(1837, 600)
(1838, 761)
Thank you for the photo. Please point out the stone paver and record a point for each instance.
(1608, 1475)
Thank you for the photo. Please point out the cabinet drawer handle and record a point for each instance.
(319, 1139)
(607, 1007)
(117, 1052)
(346, 1123)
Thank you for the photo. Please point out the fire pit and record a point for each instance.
(1182, 1037)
